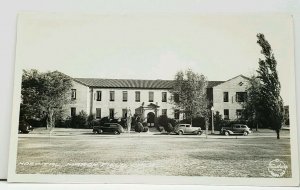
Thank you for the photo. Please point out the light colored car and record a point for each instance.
(181, 129)
(236, 129)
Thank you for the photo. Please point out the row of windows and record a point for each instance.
(238, 113)
(124, 113)
(125, 96)
(239, 96)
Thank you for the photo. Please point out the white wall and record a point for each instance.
(82, 101)
(231, 86)
(105, 104)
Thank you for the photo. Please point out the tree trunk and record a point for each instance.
(257, 127)
(50, 119)
(278, 133)
(206, 126)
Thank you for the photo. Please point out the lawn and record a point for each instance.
(138, 154)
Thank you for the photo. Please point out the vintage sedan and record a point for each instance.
(181, 129)
(114, 128)
(236, 129)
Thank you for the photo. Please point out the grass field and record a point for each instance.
(138, 154)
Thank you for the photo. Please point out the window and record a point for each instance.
(111, 113)
(164, 97)
(226, 113)
(225, 96)
(239, 113)
(73, 94)
(176, 114)
(124, 113)
(176, 97)
(125, 96)
(99, 95)
(164, 111)
(241, 96)
(73, 112)
(98, 113)
(137, 96)
(151, 96)
(112, 96)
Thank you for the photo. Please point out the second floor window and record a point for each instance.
(112, 96)
(225, 96)
(241, 96)
(125, 96)
(164, 112)
(176, 97)
(151, 96)
(99, 95)
(73, 94)
(137, 96)
(164, 97)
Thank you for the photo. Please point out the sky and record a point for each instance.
(141, 46)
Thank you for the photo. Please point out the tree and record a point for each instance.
(264, 103)
(190, 94)
(253, 106)
(44, 95)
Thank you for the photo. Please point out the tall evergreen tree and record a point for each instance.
(264, 101)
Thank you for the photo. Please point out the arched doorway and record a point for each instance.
(150, 119)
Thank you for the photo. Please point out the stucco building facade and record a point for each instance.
(115, 98)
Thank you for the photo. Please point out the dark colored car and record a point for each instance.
(24, 127)
(236, 129)
(114, 128)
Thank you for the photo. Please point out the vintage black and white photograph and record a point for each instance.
(167, 99)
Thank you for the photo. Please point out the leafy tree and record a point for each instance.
(44, 95)
(264, 104)
(253, 106)
(190, 94)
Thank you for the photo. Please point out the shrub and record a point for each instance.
(139, 127)
(167, 124)
(145, 129)
(160, 128)
(79, 121)
(169, 128)
(91, 121)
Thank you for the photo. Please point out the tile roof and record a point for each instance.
(132, 83)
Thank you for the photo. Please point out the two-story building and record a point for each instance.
(113, 98)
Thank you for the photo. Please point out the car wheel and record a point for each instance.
(95, 132)
(116, 132)
(180, 133)
(199, 133)
(226, 133)
(245, 133)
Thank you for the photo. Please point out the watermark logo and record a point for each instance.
(277, 168)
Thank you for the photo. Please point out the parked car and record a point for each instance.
(114, 128)
(236, 129)
(181, 129)
(24, 127)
